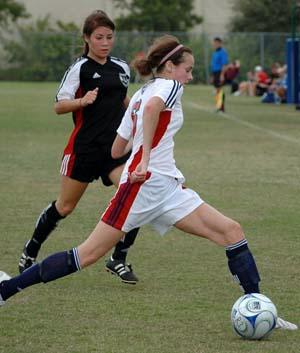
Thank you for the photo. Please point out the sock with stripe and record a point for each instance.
(121, 249)
(45, 224)
(243, 267)
(220, 99)
(53, 267)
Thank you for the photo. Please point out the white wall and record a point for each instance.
(68, 10)
(216, 13)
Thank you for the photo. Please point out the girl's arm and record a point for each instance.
(151, 115)
(126, 101)
(71, 105)
(120, 147)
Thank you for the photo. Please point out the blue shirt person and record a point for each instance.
(219, 62)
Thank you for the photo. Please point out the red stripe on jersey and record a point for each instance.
(78, 119)
(119, 207)
(164, 121)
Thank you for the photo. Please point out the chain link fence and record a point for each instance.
(44, 56)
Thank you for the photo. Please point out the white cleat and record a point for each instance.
(3, 277)
(285, 325)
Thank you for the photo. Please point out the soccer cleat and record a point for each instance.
(285, 325)
(3, 277)
(26, 261)
(122, 270)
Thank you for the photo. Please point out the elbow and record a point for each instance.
(58, 108)
(116, 154)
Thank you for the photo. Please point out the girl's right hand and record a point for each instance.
(139, 174)
(89, 97)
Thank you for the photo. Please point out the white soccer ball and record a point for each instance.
(253, 316)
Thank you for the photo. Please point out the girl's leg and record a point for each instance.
(209, 223)
(102, 239)
(116, 264)
(70, 193)
(61, 264)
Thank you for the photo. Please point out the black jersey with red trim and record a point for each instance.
(96, 124)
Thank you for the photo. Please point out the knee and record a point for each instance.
(65, 208)
(234, 232)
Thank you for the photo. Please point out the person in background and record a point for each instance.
(256, 84)
(219, 62)
(151, 189)
(231, 74)
(94, 90)
(277, 90)
(261, 81)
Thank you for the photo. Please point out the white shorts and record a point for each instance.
(160, 201)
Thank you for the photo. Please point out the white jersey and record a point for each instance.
(170, 121)
(161, 200)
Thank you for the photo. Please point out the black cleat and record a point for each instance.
(25, 261)
(122, 270)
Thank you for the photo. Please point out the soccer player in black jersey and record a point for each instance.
(94, 89)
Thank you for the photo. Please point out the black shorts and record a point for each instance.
(216, 79)
(87, 167)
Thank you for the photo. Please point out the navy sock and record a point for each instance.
(243, 267)
(53, 267)
(122, 247)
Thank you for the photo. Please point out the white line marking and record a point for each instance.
(245, 123)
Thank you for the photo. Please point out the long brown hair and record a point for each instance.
(96, 19)
(161, 47)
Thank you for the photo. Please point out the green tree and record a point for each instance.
(11, 10)
(156, 15)
(41, 51)
(261, 16)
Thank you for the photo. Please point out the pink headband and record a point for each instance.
(164, 59)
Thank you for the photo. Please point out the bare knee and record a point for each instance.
(233, 232)
(65, 208)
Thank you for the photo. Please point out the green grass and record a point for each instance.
(183, 300)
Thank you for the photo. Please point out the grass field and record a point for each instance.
(245, 163)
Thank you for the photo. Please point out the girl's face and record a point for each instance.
(183, 71)
(100, 43)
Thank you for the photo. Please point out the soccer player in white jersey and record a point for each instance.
(151, 189)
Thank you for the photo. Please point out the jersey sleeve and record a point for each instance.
(169, 91)
(69, 84)
(126, 126)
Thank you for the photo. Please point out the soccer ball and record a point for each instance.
(253, 316)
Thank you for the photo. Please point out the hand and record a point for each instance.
(89, 97)
(139, 174)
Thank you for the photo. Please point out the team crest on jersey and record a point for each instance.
(124, 79)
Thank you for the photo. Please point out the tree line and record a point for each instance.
(43, 48)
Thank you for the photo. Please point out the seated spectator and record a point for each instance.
(262, 81)
(277, 90)
(275, 70)
(246, 87)
(231, 74)
(257, 83)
